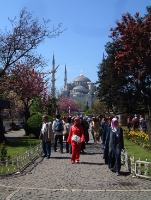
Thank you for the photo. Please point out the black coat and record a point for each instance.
(113, 139)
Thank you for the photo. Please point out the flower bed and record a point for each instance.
(140, 138)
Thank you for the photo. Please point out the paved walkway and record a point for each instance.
(57, 178)
(14, 134)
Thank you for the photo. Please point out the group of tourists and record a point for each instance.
(137, 123)
(75, 133)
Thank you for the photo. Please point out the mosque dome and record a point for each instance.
(76, 94)
(80, 88)
(81, 78)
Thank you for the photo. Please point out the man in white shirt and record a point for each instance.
(47, 136)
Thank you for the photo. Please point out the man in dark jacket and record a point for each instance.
(58, 133)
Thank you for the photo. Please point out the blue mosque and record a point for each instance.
(80, 89)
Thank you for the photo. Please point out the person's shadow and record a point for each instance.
(124, 173)
(91, 163)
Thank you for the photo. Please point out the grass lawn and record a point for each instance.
(16, 147)
(21, 145)
(137, 151)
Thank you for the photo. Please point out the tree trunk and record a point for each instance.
(2, 136)
(27, 115)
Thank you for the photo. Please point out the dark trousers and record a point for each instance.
(115, 159)
(46, 145)
(82, 146)
(67, 147)
(106, 153)
(117, 154)
(60, 138)
(67, 144)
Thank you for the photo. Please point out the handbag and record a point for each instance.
(76, 138)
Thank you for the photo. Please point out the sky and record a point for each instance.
(87, 22)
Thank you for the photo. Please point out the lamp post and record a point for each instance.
(69, 111)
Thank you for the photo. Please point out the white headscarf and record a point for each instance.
(117, 128)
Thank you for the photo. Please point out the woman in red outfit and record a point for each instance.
(75, 138)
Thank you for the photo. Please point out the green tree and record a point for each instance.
(37, 106)
(81, 105)
(52, 106)
(99, 107)
(133, 37)
(117, 90)
(90, 112)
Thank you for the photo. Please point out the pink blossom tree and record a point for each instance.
(26, 83)
(67, 105)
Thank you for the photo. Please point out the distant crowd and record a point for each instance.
(135, 123)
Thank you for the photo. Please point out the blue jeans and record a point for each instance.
(46, 145)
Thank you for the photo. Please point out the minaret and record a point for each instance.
(65, 77)
(53, 89)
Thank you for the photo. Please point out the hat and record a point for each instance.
(76, 119)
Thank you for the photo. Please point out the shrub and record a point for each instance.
(34, 124)
(3, 152)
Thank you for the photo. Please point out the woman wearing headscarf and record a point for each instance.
(105, 138)
(116, 144)
(75, 138)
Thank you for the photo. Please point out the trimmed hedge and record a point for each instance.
(34, 124)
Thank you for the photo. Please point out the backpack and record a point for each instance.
(59, 126)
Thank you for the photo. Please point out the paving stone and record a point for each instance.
(57, 178)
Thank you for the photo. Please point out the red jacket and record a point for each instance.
(76, 130)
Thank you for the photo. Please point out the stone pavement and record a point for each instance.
(57, 178)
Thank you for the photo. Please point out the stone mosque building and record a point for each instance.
(80, 89)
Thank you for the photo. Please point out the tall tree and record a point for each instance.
(99, 107)
(133, 35)
(26, 35)
(117, 90)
